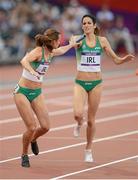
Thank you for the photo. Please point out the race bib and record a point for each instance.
(42, 68)
(16, 89)
(88, 60)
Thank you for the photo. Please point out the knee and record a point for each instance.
(45, 128)
(32, 128)
(91, 125)
(78, 116)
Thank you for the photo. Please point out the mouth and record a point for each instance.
(86, 29)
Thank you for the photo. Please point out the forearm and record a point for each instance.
(112, 54)
(61, 50)
(27, 66)
(117, 60)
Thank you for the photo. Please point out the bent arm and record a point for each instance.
(109, 51)
(34, 55)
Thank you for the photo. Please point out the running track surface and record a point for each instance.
(115, 147)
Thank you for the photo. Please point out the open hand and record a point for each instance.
(73, 42)
(128, 57)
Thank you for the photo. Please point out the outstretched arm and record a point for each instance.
(63, 49)
(118, 60)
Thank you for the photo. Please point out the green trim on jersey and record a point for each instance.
(85, 48)
(35, 64)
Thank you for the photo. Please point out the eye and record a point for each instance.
(87, 23)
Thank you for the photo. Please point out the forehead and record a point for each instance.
(87, 19)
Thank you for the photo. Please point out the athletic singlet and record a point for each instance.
(39, 66)
(89, 58)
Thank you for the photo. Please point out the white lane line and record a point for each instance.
(100, 120)
(69, 79)
(96, 167)
(75, 145)
(120, 90)
(69, 88)
(68, 110)
(70, 98)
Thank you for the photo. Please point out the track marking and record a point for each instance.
(69, 88)
(96, 167)
(111, 118)
(75, 145)
(69, 98)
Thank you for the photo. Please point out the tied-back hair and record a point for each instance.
(93, 18)
(47, 38)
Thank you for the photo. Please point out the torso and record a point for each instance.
(89, 60)
(31, 81)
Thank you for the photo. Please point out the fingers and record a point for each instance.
(130, 55)
(72, 41)
(36, 75)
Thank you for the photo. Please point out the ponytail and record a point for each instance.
(47, 38)
(96, 31)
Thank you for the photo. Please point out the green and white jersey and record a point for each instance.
(89, 58)
(39, 66)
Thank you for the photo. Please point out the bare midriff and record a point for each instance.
(88, 76)
(29, 84)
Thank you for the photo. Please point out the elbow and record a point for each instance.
(117, 62)
(21, 62)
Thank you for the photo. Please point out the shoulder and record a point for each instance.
(103, 40)
(35, 53)
(36, 50)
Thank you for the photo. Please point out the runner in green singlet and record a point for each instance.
(88, 82)
(28, 96)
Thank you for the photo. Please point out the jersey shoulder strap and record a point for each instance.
(43, 55)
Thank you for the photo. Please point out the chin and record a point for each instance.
(87, 32)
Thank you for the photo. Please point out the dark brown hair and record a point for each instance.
(93, 18)
(47, 38)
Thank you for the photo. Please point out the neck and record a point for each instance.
(90, 37)
(46, 50)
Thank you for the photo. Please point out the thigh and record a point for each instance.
(39, 107)
(25, 109)
(94, 97)
(80, 96)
